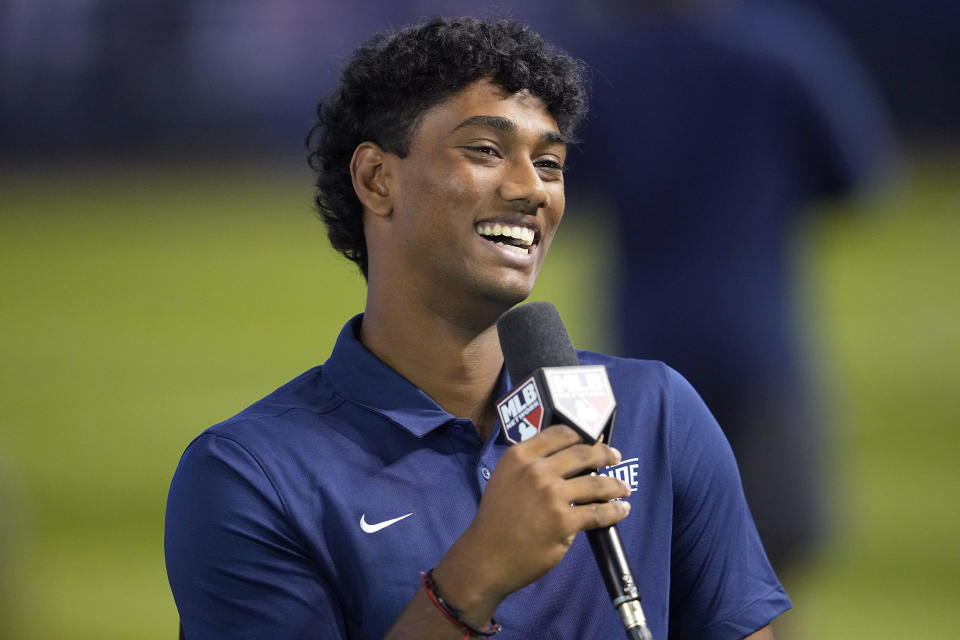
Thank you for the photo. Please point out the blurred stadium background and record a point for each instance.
(160, 268)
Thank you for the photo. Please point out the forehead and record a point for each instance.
(486, 98)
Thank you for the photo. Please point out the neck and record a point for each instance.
(457, 366)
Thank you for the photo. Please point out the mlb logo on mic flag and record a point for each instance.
(521, 412)
(581, 396)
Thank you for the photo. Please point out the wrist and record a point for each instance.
(465, 589)
(454, 615)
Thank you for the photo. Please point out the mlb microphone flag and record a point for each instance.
(578, 396)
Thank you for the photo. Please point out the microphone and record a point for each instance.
(552, 386)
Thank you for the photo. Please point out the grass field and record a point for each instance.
(142, 302)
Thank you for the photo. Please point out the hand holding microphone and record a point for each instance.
(544, 489)
(552, 386)
(525, 523)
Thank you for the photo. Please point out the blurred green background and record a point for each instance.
(143, 300)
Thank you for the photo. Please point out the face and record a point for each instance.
(477, 200)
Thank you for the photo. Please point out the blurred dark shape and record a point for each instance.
(912, 48)
(185, 74)
(86, 74)
(714, 128)
(81, 74)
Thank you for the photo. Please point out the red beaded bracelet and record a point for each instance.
(453, 614)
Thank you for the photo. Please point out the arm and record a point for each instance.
(763, 634)
(524, 526)
(722, 586)
(236, 567)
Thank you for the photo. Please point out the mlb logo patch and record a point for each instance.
(581, 396)
(521, 412)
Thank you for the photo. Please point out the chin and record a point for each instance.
(510, 293)
(484, 297)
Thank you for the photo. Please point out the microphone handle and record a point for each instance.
(617, 576)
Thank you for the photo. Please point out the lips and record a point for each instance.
(517, 238)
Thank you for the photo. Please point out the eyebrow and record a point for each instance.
(507, 126)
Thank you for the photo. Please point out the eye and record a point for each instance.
(484, 149)
(550, 168)
(553, 165)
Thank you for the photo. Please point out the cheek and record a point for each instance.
(553, 218)
(441, 192)
(555, 213)
(438, 211)
(559, 205)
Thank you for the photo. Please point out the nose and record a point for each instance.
(522, 183)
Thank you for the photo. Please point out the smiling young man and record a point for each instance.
(358, 498)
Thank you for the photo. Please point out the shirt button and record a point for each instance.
(457, 427)
(485, 473)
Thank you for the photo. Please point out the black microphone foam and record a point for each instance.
(533, 336)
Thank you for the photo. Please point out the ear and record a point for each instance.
(371, 179)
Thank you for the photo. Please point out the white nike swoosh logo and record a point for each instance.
(373, 528)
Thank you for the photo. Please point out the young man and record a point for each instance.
(314, 512)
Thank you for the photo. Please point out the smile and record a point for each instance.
(514, 237)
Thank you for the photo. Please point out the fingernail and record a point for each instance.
(617, 454)
(625, 506)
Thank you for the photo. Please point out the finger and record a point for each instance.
(594, 488)
(599, 514)
(576, 459)
(552, 439)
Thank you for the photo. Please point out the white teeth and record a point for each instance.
(523, 234)
(519, 250)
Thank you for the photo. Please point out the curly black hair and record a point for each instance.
(395, 77)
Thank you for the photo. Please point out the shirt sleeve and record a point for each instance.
(722, 586)
(235, 566)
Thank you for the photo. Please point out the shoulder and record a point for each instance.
(657, 403)
(311, 391)
(643, 381)
(301, 401)
(652, 394)
(273, 461)
(263, 439)
(649, 370)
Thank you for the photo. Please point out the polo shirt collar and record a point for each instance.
(362, 378)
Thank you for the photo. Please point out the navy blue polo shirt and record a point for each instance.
(312, 513)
